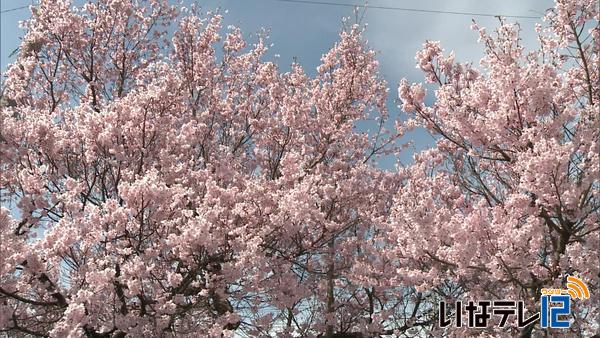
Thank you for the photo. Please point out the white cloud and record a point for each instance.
(397, 35)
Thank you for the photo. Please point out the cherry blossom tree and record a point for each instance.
(507, 202)
(164, 179)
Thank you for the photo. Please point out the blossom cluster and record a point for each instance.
(164, 178)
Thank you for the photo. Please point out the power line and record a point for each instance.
(13, 9)
(312, 2)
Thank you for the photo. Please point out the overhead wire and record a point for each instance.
(354, 5)
(406, 9)
(13, 9)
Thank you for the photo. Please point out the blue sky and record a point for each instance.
(306, 31)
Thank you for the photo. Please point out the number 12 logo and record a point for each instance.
(551, 313)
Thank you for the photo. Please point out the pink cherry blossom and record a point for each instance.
(172, 182)
(165, 178)
(507, 201)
